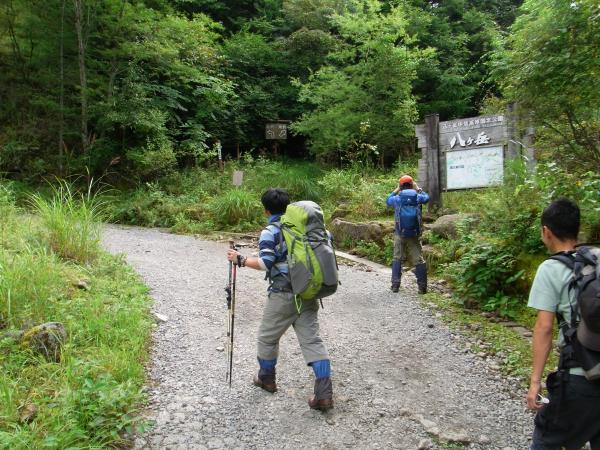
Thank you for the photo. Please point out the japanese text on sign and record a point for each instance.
(478, 122)
(276, 131)
(480, 139)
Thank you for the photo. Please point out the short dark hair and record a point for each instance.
(275, 200)
(562, 217)
(407, 186)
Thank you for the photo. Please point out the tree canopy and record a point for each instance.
(141, 87)
(551, 65)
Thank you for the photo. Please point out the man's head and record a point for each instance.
(405, 182)
(275, 200)
(560, 222)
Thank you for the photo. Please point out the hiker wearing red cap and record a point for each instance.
(566, 287)
(407, 199)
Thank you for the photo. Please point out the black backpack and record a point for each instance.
(585, 282)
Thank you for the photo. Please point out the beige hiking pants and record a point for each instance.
(280, 312)
(408, 249)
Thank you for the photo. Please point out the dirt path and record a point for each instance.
(400, 376)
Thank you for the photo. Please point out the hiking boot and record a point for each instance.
(322, 399)
(266, 380)
(395, 287)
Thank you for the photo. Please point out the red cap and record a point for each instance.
(405, 179)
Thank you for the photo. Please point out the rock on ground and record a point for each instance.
(389, 367)
(447, 226)
(46, 339)
(370, 231)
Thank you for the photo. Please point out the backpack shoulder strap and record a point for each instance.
(277, 225)
(567, 258)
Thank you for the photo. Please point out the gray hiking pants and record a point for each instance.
(408, 249)
(280, 312)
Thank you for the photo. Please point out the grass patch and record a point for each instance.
(90, 398)
(203, 200)
(71, 221)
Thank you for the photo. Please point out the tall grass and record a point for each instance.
(72, 221)
(201, 200)
(90, 398)
(236, 207)
(31, 282)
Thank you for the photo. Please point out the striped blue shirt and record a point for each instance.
(272, 249)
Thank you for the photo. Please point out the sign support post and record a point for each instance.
(433, 187)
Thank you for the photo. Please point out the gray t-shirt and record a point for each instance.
(550, 292)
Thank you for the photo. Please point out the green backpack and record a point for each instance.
(311, 259)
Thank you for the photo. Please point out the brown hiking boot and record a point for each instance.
(323, 396)
(321, 405)
(266, 380)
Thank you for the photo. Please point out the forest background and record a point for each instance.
(137, 94)
(141, 94)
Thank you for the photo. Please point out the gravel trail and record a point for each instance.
(401, 377)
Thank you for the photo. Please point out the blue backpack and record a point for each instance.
(408, 214)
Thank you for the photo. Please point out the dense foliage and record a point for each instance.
(139, 88)
(493, 260)
(550, 66)
(135, 89)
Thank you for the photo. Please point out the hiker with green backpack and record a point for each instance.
(566, 288)
(296, 252)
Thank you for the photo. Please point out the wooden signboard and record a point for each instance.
(463, 153)
(472, 152)
(276, 131)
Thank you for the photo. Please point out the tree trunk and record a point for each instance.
(82, 75)
(61, 125)
(18, 55)
(114, 64)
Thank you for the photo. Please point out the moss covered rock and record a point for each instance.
(447, 226)
(46, 339)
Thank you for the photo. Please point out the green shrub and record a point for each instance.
(485, 272)
(368, 200)
(339, 184)
(198, 198)
(72, 221)
(493, 260)
(236, 208)
(7, 196)
(299, 179)
(147, 206)
(375, 252)
(153, 159)
(185, 225)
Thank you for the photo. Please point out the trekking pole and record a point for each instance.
(230, 290)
